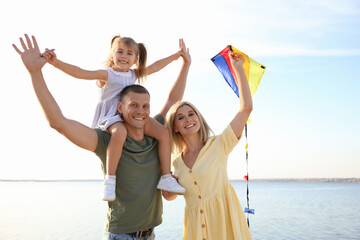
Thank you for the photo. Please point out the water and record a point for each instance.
(283, 210)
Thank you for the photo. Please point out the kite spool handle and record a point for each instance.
(251, 210)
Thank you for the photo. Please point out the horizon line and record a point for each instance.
(320, 179)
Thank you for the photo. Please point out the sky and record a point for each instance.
(305, 122)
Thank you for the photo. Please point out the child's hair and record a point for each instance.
(140, 51)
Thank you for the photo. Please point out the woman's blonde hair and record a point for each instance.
(177, 141)
(140, 51)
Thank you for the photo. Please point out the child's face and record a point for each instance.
(124, 57)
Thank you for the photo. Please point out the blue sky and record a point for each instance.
(306, 109)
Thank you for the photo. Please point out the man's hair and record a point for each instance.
(132, 88)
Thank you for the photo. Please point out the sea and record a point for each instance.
(38, 210)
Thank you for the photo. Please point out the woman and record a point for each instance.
(212, 210)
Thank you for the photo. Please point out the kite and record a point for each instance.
(254, 72)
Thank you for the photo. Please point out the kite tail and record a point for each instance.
(247, 210)
(247, 177)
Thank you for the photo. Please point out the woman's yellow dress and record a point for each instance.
(212, 211)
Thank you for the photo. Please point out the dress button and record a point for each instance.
(201, 211)
(190, 171)
(199, 197)
(204, 238)
(195, 182)
(203, 225)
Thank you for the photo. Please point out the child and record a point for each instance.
(124, 53)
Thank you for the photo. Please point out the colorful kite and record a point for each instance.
(254, 72)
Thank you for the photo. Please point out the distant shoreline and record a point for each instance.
(340, 180)
(51, 180)
(320, 180)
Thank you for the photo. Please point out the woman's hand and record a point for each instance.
(168, 195)
(236, 59)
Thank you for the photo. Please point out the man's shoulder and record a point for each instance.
(102, 142)
(158, 117)
(102, 134)
(104, 137)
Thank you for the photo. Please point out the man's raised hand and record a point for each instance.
(30, 55)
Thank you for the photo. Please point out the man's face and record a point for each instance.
(135, 109)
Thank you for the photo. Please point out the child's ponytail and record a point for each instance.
(141, 64)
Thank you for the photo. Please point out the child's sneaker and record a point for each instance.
(109, 188)
(170, 184)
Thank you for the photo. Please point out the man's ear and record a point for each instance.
(120, 107)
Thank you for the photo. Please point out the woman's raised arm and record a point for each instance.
(246, 104)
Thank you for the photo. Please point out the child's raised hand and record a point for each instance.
(49, 55)
(178, 54)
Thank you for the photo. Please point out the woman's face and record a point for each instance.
(186, 121)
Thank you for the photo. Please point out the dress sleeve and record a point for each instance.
(227, 140)
(110, 72)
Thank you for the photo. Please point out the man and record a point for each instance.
(138, 205)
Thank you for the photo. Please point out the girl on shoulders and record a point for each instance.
(124, 53)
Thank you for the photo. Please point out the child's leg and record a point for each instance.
(118, 136)
(161, 133)
(154, 129)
